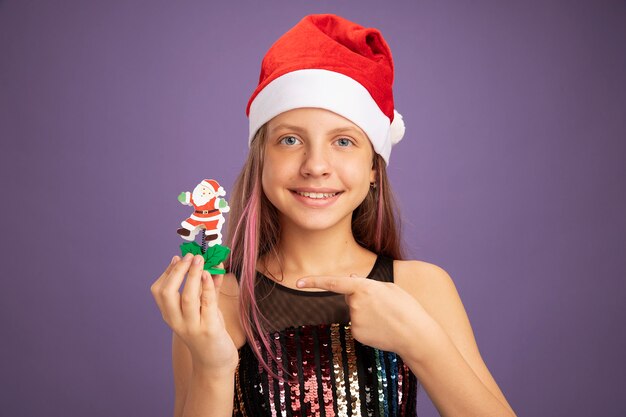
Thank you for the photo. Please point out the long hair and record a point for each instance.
(373, 225)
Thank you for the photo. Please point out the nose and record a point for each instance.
(315, 162)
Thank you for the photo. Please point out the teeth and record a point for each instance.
(317, 195)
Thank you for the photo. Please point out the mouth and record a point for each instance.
(316, 196)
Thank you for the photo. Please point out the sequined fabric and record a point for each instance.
(332, 375)
(324, 371)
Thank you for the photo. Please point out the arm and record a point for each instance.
(448, 364)
(199, 393)
(204, 353)
(181, 364)
(421, 318)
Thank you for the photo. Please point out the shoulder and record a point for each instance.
(414, 275)
(433, 287)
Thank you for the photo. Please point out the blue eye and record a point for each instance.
(289, 140)
(344, 142)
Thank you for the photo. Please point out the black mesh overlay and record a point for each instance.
(285, 307)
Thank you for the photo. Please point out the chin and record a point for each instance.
(319, 222)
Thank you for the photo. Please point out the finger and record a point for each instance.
(207, 297)
(159, 281)
(155, 288)
(170, 297)
(173, 262)
(340, 285)
(190, 296)
(174, 279)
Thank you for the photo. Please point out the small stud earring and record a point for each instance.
(373, 185)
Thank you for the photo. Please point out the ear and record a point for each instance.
(374, 170)
(373, 175)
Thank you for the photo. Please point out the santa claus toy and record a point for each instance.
(206, 219)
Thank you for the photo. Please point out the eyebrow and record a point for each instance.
(301, 130)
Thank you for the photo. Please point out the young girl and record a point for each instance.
(319, 315)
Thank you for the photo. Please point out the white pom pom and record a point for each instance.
(397, 128)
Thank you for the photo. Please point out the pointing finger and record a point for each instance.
(340, 285)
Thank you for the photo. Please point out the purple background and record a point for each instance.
(511, 177)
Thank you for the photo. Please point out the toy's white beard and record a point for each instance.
(199, 199)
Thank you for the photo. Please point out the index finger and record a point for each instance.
(165, 273)
(174, 279)
(340, 285)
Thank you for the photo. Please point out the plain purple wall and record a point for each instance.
(511, 177)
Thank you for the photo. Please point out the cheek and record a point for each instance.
(274, 176)
(358, 173)
(265, 180)
(278, 169)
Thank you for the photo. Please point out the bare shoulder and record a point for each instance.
(422, 278)
(434, 289)
(229, 306)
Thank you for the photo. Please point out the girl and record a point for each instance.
(319, 315)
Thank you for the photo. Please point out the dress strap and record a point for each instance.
(382, 270)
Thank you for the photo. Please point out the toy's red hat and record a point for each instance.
(214, 186)
(328, 62)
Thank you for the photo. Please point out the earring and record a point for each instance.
(373, 185)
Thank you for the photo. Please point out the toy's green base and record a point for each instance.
(213, 256)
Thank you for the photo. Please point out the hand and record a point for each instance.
(224, 206)
(182, 197)
(382, 314)
(194, 315)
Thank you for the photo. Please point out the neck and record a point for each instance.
(331, 251)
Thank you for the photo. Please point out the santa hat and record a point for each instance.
(328, 62)
(215, 186)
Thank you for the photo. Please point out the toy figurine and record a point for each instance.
(207, 218)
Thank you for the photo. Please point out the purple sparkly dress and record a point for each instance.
(330, 373)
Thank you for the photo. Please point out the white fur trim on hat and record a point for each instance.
(327, 90)
(397, 128)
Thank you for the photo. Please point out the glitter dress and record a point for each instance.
(331, 374)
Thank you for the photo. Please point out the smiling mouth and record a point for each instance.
(316, 196)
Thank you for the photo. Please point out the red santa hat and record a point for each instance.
(215, 186)
(328, 62)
